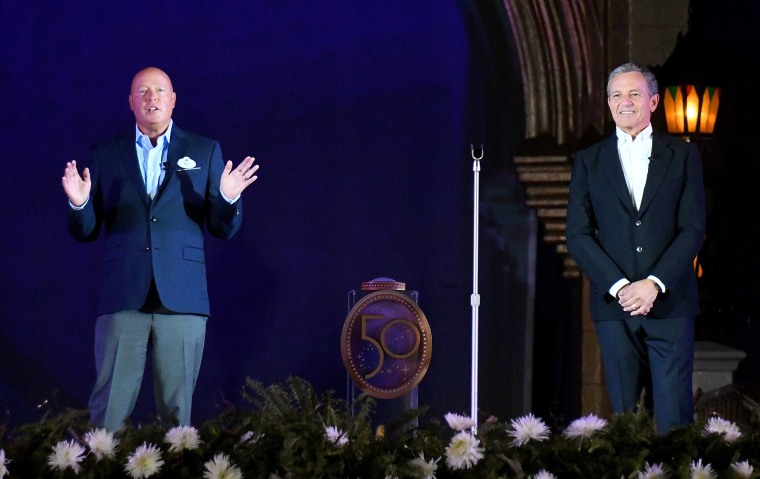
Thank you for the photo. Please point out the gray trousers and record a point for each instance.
(121, 345)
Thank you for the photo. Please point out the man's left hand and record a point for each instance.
(234, 181)
(638, 298)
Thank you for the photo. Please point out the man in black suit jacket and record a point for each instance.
(154, 192)
(635, 222)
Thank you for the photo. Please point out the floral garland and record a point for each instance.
(292, 433)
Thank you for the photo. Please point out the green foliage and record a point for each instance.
(281, 431)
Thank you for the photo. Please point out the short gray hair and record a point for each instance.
(633, 67)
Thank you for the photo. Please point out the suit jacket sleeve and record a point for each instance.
(223, 219)
(85, 224)
(582, 228)
(690, 224)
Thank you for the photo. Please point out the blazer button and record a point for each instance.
(147, 249)
(153, 219)
(639, 249)
(638, 222)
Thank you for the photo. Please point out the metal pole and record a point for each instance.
(477, 154)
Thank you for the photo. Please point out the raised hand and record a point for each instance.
(234, 181)
(76, 187)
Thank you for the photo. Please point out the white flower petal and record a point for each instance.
(3, 464)
(424, 469)
(463, 451)
(585, 426)
(654, 471)
(459, 423)
(183, 438)
(144, 461)
(717, 425)
(527, 428)
(742, 470)
(336, 436)
(67, 455)
(698, 471)
(220, 468)
(544, 474)
(101, 443)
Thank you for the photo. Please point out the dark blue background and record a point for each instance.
(360, 114)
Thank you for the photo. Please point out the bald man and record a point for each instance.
(152, 193)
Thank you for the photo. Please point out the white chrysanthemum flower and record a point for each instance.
(424, 469)
(654, 471)
(463, 451)
(101, 443)
(336, 436)
(67, 455)
(144, 462)
(3, 463)
(585, 426)
(528, 428)
(544, 474)
(742, 470)
(459, 423)
(698, 471)
(717, 425)
(183, 438)
(220, 468)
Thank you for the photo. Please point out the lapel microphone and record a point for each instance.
(166, 165)
(652, 158)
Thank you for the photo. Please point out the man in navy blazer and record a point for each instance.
(635, 223)
(153, 192)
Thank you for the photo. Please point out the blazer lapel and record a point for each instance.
(614, 171)
(131, 164)
(177, 147)
(659, 162)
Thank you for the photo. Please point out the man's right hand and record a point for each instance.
(638, 297)
(76, 187)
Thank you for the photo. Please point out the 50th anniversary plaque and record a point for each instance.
(386, 342)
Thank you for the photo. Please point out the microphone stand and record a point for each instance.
(477, 154)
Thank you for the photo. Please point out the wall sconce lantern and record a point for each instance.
(687, 114)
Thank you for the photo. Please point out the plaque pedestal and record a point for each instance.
(386, 348)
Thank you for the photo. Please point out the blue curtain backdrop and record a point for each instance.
(357, 113)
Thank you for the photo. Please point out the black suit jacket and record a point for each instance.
(163, 238)
(610, 240)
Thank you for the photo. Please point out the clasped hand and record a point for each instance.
(638, 298)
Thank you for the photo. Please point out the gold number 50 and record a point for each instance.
(382, 346)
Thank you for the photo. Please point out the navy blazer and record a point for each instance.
(611, 240)
(162, 238)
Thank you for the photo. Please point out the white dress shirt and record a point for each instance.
(635, 155)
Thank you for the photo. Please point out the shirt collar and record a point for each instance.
(623, 137)
(167, 135)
